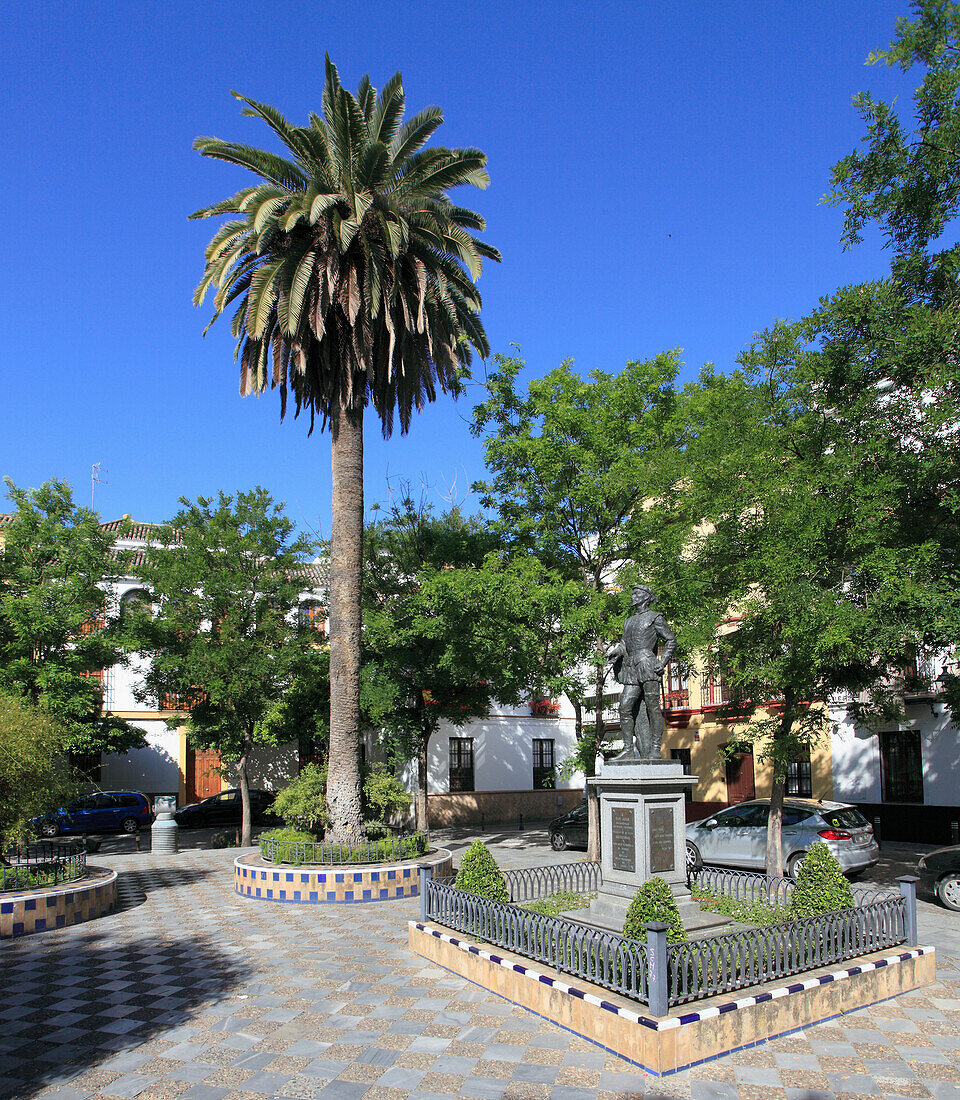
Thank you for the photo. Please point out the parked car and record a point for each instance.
(103, 812)
(570, 829)
(940, 875)
(226, 808)
(737, 837)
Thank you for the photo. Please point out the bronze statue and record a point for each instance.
(637, 666)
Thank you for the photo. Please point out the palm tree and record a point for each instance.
(353, 276)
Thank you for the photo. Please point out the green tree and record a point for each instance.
(353, 275)
(56, 631)
(571, 461)
(450, 625)
(34, 778)
(222, 636)
(827, 468)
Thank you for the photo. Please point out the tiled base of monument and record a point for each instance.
(691, 1034)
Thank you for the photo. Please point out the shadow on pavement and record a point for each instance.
(86, 1002)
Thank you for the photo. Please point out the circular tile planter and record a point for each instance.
(345, 884)
(23, 912)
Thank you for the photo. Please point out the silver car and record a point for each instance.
(737, 837)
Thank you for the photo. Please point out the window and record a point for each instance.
(714, 692)
(310, 616)
(461, 764)
(676, 687)
(901, 766)
(87, 764)
(683, 755)
(544, 777)
(135, 597)
(800, 777)
(313, 750)
(791, 816)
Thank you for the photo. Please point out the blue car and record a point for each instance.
(103, 812)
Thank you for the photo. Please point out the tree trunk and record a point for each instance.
(593, 803)
(246, 838)
(421, 804)
(346, 561)
(774, 853)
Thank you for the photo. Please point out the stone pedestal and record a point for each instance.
(642, 836)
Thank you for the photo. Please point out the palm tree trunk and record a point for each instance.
(346, 562)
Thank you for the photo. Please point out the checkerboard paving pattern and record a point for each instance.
(203, 994)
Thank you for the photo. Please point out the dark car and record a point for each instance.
(102, 812)
(940, 875)
(570, 830)
(226, 808)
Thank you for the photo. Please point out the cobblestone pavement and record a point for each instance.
(191, 991)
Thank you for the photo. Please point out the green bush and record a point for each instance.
(384, 795)
(821, 885)
(654, 902)
(480, 875)
(302, 804)
(555, 905)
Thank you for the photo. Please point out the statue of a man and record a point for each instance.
(637, 666)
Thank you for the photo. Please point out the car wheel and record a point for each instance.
(694, 859)
(794, 863)
(130, 825)
(558, 842)
(49, 828)
(948, 891)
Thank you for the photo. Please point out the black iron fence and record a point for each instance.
(44, 863)
(277, 850)
(661, 974)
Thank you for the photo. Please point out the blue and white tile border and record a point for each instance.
(682, 1019)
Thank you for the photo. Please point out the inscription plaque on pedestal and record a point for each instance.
(661, 840)
(623, 848)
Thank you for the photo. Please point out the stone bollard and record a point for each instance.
(164, 831)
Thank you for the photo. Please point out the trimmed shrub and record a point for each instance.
(480, 875)
(654, 902)
(821, 885)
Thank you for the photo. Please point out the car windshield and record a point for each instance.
(847, 818)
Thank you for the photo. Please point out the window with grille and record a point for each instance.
(799, 782)
(676, 687)
(901, 766)
(310, 616)
(87, 765)
(461, 764)
(714, 691)
(544, 773)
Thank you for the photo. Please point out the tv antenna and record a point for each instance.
(95, 479)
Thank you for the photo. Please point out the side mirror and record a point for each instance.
(710, 823)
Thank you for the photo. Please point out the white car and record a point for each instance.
(737, 837)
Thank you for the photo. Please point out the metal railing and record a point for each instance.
(661, 974)
(531, 883)
(736, 960)
(606, 959)
(278, 850)
(45, 863)
(755, 887)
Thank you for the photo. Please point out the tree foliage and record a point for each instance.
(222, 637)
(34, 778)
(58, 632)
(571, 462)
(452, 624)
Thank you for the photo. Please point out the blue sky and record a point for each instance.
(656, 176)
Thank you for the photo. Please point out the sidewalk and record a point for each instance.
(193, 992)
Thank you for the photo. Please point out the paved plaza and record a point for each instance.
(191, 991)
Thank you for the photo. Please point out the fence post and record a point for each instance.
(658, 987)
(426, 874)
(908, 887)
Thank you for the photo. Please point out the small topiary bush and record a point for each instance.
(480, 875)
(654, 902)
(821, 885)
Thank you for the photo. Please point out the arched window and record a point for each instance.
(311, 616)
(135, 597)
